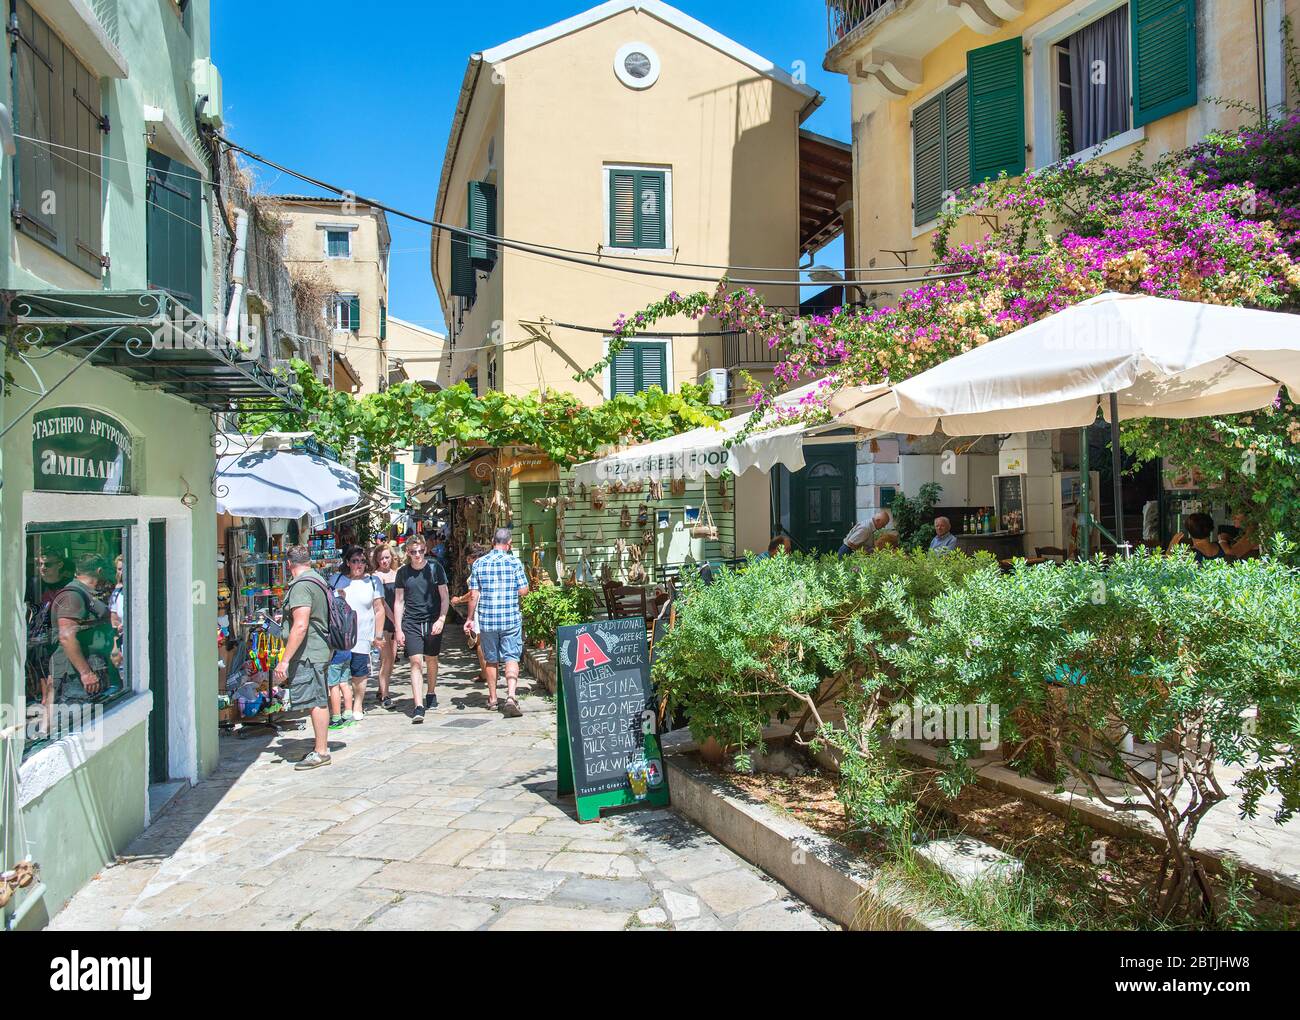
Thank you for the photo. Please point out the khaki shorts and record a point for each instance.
(307, 687)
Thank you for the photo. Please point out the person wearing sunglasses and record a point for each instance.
(365, 594)
(421, 604)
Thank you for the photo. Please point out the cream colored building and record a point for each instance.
(345, 245)
(946, 92)
(638, 138)
(628, 130)
(416, 354)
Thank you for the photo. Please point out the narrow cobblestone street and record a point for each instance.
(454, 824)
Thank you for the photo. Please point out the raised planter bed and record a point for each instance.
(813, 867)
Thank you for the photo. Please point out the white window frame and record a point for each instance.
(335, 228)
(924, 228)
(606, 244)
(1043, 73)
(47, 766)
(338, 301)
(607, 379)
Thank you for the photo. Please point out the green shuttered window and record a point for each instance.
(383, 321)
(482, 217)
(174, 229)
(463, 281)
(397, 485)
(56, 193)
(637, 367)
(940, 161)
(354, 313)
(638, 215)
(1164, 57)
(995, 79)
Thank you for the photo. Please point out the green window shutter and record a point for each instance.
(638, 217)
(652, 367)
(174, 229)
(622, 208)
(622, 373)
(637, 367)
(354, 313)
(650, 218)
(383, 321)
(397, 484)
(463, 281)
(927, 160)
(1164, 57)
(995, 96)
(482, 218)
(58, 102)
(956, 143)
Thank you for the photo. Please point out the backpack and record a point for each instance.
(341, 632)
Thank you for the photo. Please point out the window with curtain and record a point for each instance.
(1094, 95)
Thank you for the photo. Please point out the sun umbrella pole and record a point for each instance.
(1115, 470)
(1085, 493)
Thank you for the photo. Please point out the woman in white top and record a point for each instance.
(365, 594)
(383, 562)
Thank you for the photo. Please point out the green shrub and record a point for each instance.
(552, 606)
(914, 518)
(1176, 655)
(798, 639)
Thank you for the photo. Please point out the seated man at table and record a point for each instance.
(944, 540)
(863, 536)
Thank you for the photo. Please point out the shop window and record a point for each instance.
(78, 629)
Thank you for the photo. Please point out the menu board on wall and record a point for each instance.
(605, 740)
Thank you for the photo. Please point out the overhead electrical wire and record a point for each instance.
(559, 256)
(599, 260)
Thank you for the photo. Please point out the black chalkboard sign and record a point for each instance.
(608, 753)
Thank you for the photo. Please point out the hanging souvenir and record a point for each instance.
(656, 490)
(678, 487)
(625, 518)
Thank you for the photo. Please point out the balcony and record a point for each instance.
(748, 350)
(843, 16)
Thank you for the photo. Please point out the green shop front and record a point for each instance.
(108, 653)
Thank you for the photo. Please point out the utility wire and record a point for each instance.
(558, 256)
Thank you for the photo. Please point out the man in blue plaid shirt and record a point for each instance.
(496, 584)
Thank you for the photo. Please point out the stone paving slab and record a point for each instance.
(441, 826)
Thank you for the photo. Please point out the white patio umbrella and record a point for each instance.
(705, 451)
(1127, 356)
(283, 483)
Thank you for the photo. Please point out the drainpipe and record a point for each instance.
(238, 259)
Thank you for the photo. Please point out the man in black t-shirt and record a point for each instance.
(420, 606)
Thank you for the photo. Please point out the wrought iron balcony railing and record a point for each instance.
(843, 16)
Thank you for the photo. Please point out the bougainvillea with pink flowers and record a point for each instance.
(1217, 223)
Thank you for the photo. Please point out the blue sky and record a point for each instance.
(363, 97)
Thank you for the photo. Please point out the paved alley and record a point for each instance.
(454, 824)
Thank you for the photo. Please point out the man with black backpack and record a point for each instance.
(307, 649)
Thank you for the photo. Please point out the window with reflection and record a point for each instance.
(78, 635)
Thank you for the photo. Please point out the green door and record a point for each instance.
(822, 497)
(158, 651)
(538, 530)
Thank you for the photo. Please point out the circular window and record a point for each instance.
(637, 65)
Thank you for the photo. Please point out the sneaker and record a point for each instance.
(510, 709)
(387, 701)
(358, 715)
(312, 760)
(418, 715)
(431, 701)
(338, 722)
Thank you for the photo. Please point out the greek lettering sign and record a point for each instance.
(75, 449)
